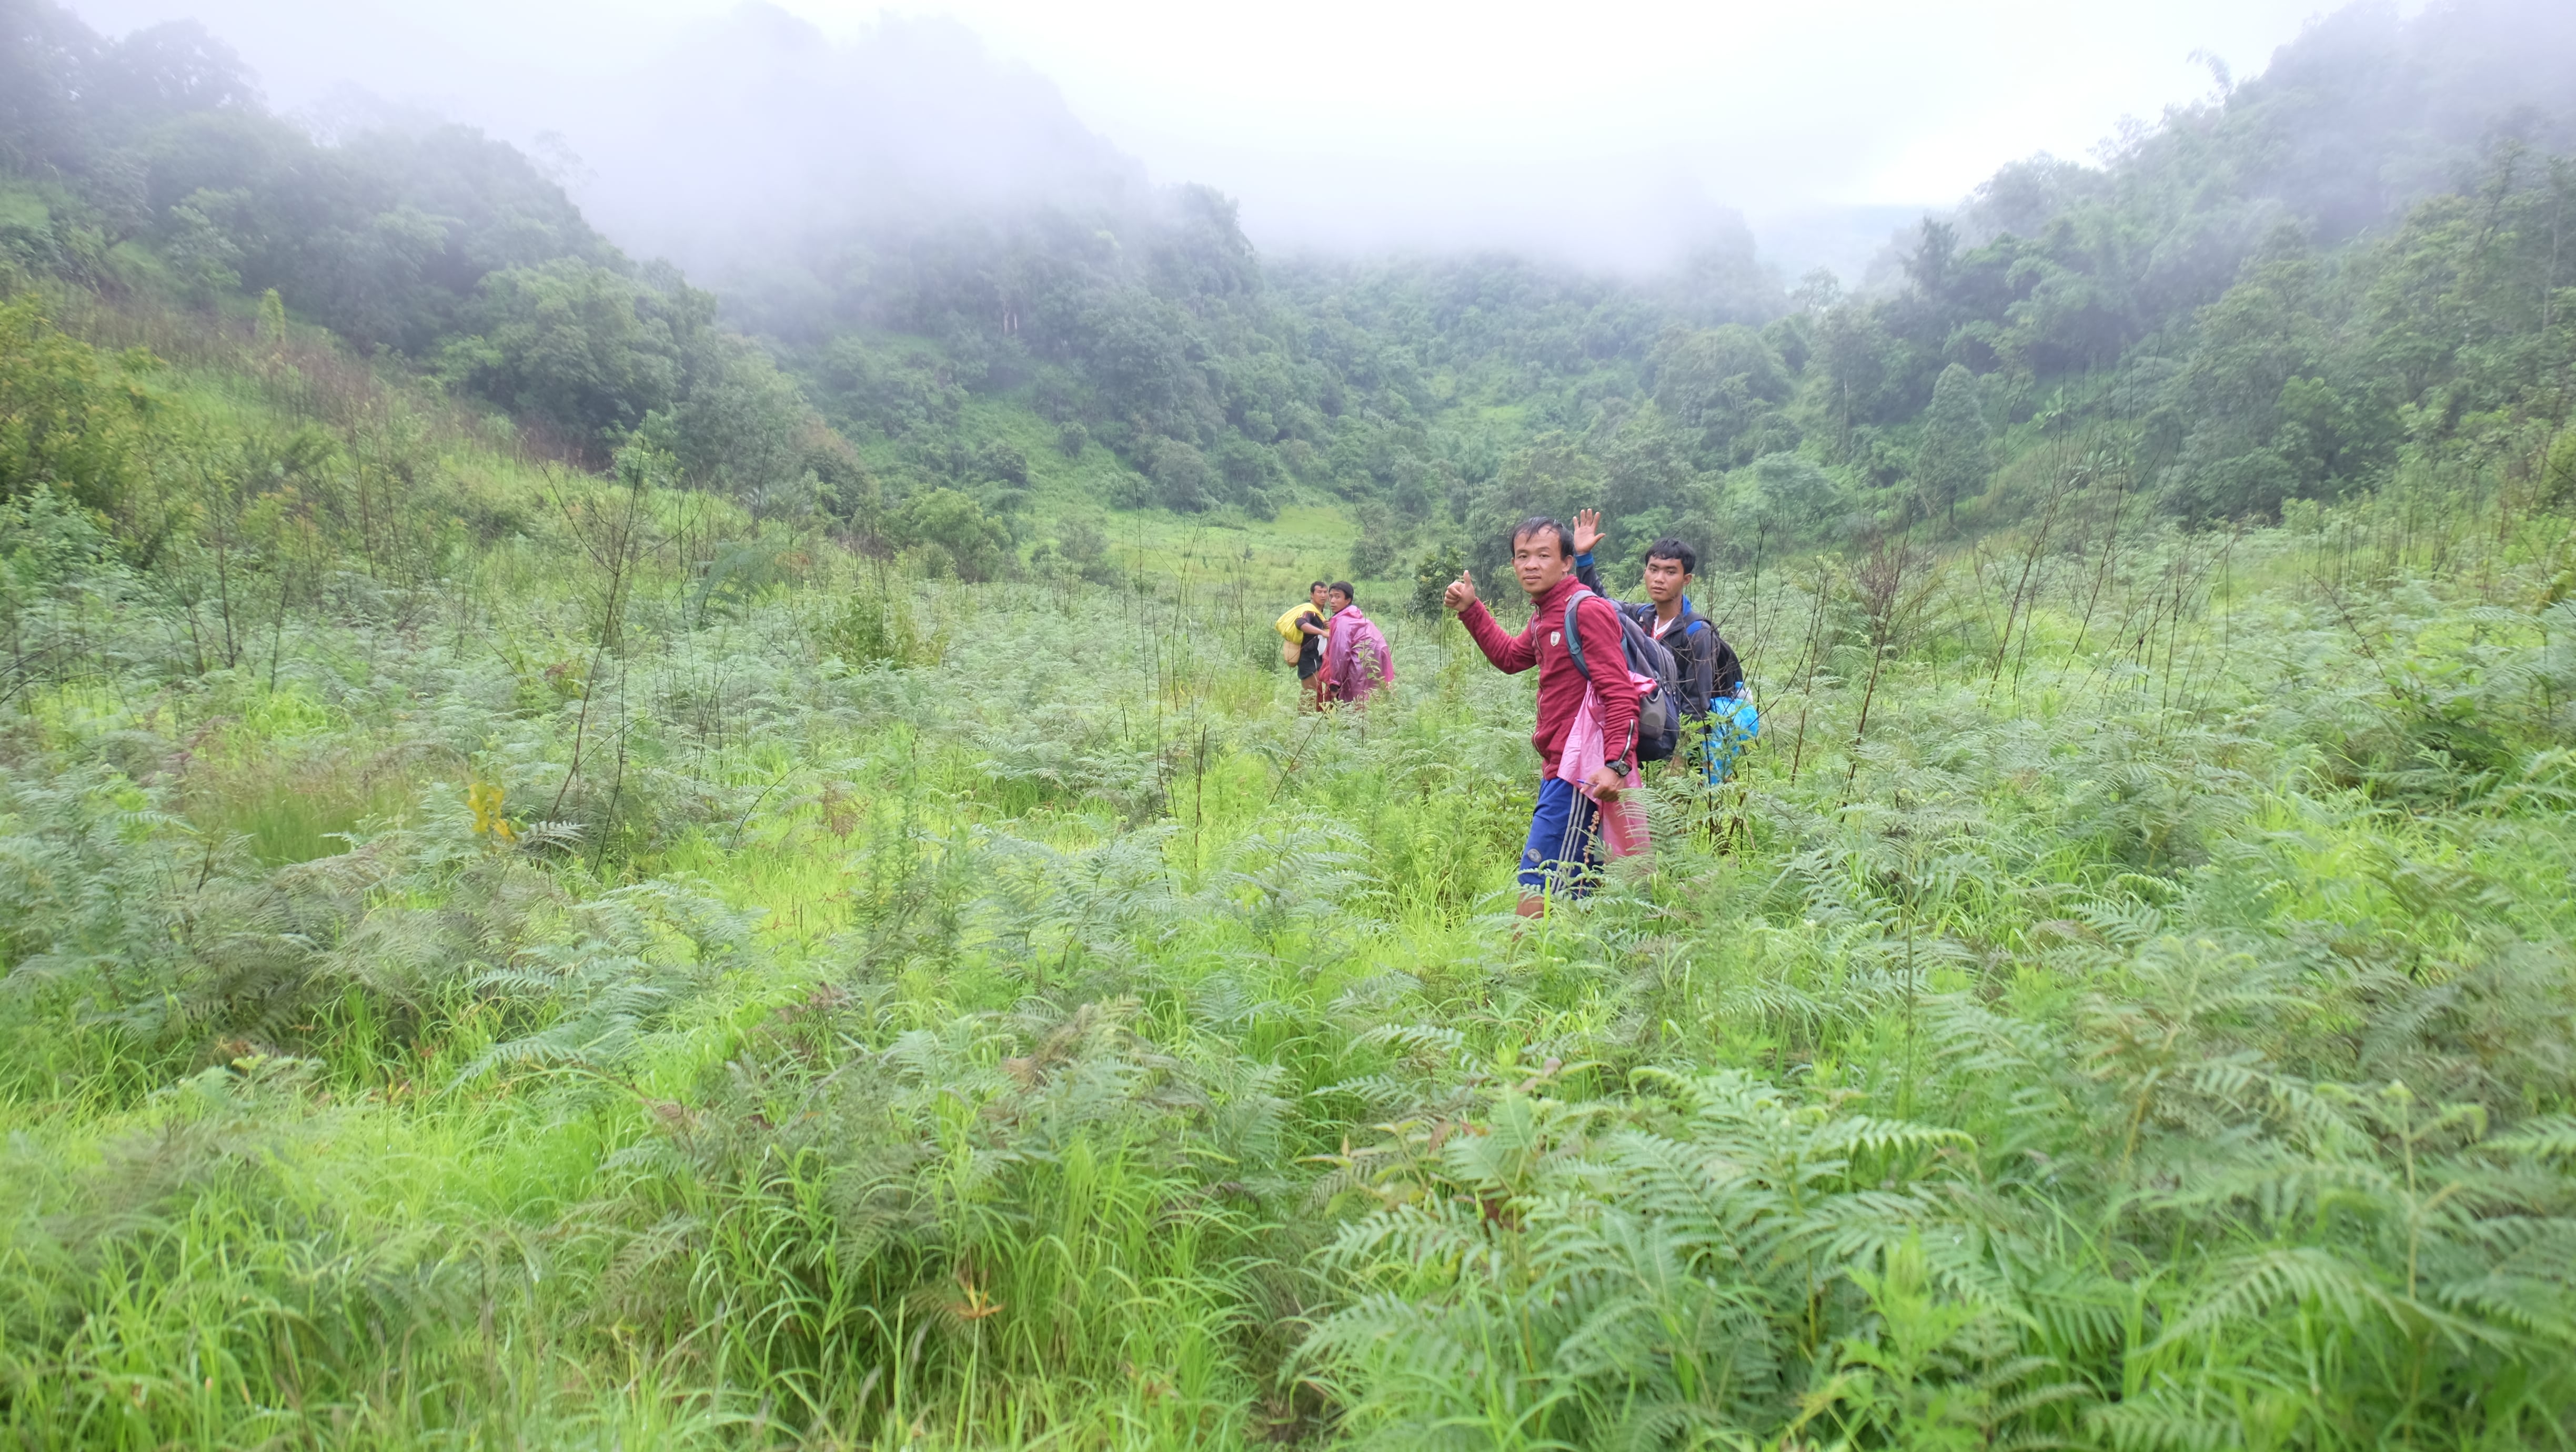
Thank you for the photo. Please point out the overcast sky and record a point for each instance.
(1377, 123)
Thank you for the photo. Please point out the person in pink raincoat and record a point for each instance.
(1356, 659)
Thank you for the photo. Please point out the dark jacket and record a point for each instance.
(1310, 652)
(1708, 664)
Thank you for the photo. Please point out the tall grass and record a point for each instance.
(569, 994)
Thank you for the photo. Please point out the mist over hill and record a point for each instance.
(759, 138)
(904, 225)
(758, 143)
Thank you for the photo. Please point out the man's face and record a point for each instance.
(1539, 560)
(1666, 580)
(1318, 595)
(1336, 602)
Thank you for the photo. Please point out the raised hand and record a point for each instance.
(1587, 530)
(1461, 591)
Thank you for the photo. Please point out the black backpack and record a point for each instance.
(1690, 623)
(1659, 717)
(1725, 672)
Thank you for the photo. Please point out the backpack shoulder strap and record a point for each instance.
(1574, 637)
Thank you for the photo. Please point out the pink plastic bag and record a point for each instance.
(1623, 820)
(1623, 823)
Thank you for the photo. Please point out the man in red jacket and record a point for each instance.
(1565, 829)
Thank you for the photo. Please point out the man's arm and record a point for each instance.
(1510, 654)
(1641, 611)
(1587, 533)
(1608, 656)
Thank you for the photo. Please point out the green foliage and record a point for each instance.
(1080, 549)
(1182, 479)
(738, 425)
(868, 393)
(2272, 331)
(66, 422)
(2558, 470)
(919, 1001)
(950, 534)
(1725, 385)
(441, 243)
(577, 347)
(1376, 545)
(1787, 496)
(875, 627)
(1431, 579)
(1952, 462)
(491, 953)
(1552, 476)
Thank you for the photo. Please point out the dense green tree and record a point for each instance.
(1857, 375)
(200, 249)
(576, 347)
(2262, 340)
(846, 489)
(871, 391)
(736, 424)
(1377, 542)
(1181, 476)
(66, 422)
(1956, 455)
(1784, 501)
(957, 533)
(2467, 305)
(1726, 385)
(161, 135)
(1000, 463)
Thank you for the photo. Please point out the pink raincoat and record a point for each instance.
(1356, 658)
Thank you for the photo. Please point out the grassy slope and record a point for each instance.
(1104, 1023)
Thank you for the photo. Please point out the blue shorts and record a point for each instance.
(1564, 842)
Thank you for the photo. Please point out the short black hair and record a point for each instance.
(1343, 588)
(1669, 548)
(1319, 585)
(1541, 524)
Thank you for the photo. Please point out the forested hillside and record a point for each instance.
(593, 859)
(2262, 298)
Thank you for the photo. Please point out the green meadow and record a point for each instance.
(598, 857)
(585, 997)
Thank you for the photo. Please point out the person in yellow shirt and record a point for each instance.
(1301, 642)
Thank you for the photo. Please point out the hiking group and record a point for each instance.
(1621, 684)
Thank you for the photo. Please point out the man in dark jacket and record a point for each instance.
(1310, 650)
(1709, 669)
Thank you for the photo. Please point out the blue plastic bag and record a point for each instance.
(1732, 721)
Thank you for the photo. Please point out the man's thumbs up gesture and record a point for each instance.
(1461, 591)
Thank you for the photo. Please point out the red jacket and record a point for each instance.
(1560, 685)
